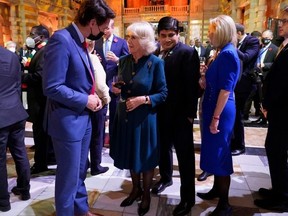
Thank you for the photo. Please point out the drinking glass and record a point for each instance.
(202, 60)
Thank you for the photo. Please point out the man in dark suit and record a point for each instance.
(69, 84)
(275, 109)
(36, 100)
(176, 115)
(265, 59)
(248, 48)
(12, 128)
(110, 48)
(200, 48)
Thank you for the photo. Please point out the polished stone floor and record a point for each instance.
(106, 191)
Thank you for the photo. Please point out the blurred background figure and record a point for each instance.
(199, 47)
(11, 46)
(110, 48)
(191, 43)
(44, 154)
(98, 118)
(248, 48)
(265, 60)
(12, 128)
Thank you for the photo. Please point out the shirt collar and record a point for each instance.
(81, 37)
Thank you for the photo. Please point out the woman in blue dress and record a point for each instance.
(134, 142)
(218, 111)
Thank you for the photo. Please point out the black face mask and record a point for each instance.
(95, 37)
(265, 41)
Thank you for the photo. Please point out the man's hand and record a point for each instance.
(94, 103)
(111, 56)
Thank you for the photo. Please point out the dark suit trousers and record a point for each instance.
(238, 139)
(97, 138)
(13, 137)
(42, 142)
(180, 134)
(276, 146)
(112, 111)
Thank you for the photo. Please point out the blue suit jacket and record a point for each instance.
(67, 82)
(119, 48)
(11, 108)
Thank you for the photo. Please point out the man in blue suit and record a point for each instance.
(68, 83)
(110, 48)
(12, 128)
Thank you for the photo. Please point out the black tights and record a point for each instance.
(221, 188)
(147, 182)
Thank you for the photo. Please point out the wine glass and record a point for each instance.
(202, 60)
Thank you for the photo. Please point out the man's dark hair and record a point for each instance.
(168, 23)
(240, 28)
(256, 34)
(41, 30)
(94, 9)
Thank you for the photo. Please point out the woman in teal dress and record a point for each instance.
(218, 111)
(134, 142)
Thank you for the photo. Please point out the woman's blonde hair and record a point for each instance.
(224, 30)
(145, 32)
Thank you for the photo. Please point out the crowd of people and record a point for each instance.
(152, 90)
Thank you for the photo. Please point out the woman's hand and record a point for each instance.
(214, 126)
(202, 82)
(115, 90)
(133, 102)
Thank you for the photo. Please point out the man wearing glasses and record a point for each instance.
(276, 144)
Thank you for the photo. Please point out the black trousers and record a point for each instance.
(12, 137)
(97, 139)
(238, 137)
(180, 134)
(276, 145)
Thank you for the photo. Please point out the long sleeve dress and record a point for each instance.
(134, 141)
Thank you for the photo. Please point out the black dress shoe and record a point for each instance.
(237, 152)
(24, 194)
(262, 122)
(38, 169)
(266, 192)
(100, 171)
(183, 208)
(273, 204)
(203, 176)
(130, 199)
(208, 196)
(5, 208)
(160, 186)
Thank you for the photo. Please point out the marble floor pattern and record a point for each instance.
(106, 191)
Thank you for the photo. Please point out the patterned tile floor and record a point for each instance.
(106, 191)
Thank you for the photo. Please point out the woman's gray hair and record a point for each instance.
(145, 32)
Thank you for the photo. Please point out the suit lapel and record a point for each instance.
(80, 49)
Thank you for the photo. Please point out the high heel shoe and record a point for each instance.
(143, 210)
(208, 196)
(222, 212)
(130, 199)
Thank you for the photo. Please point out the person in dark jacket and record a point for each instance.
(12, 129)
